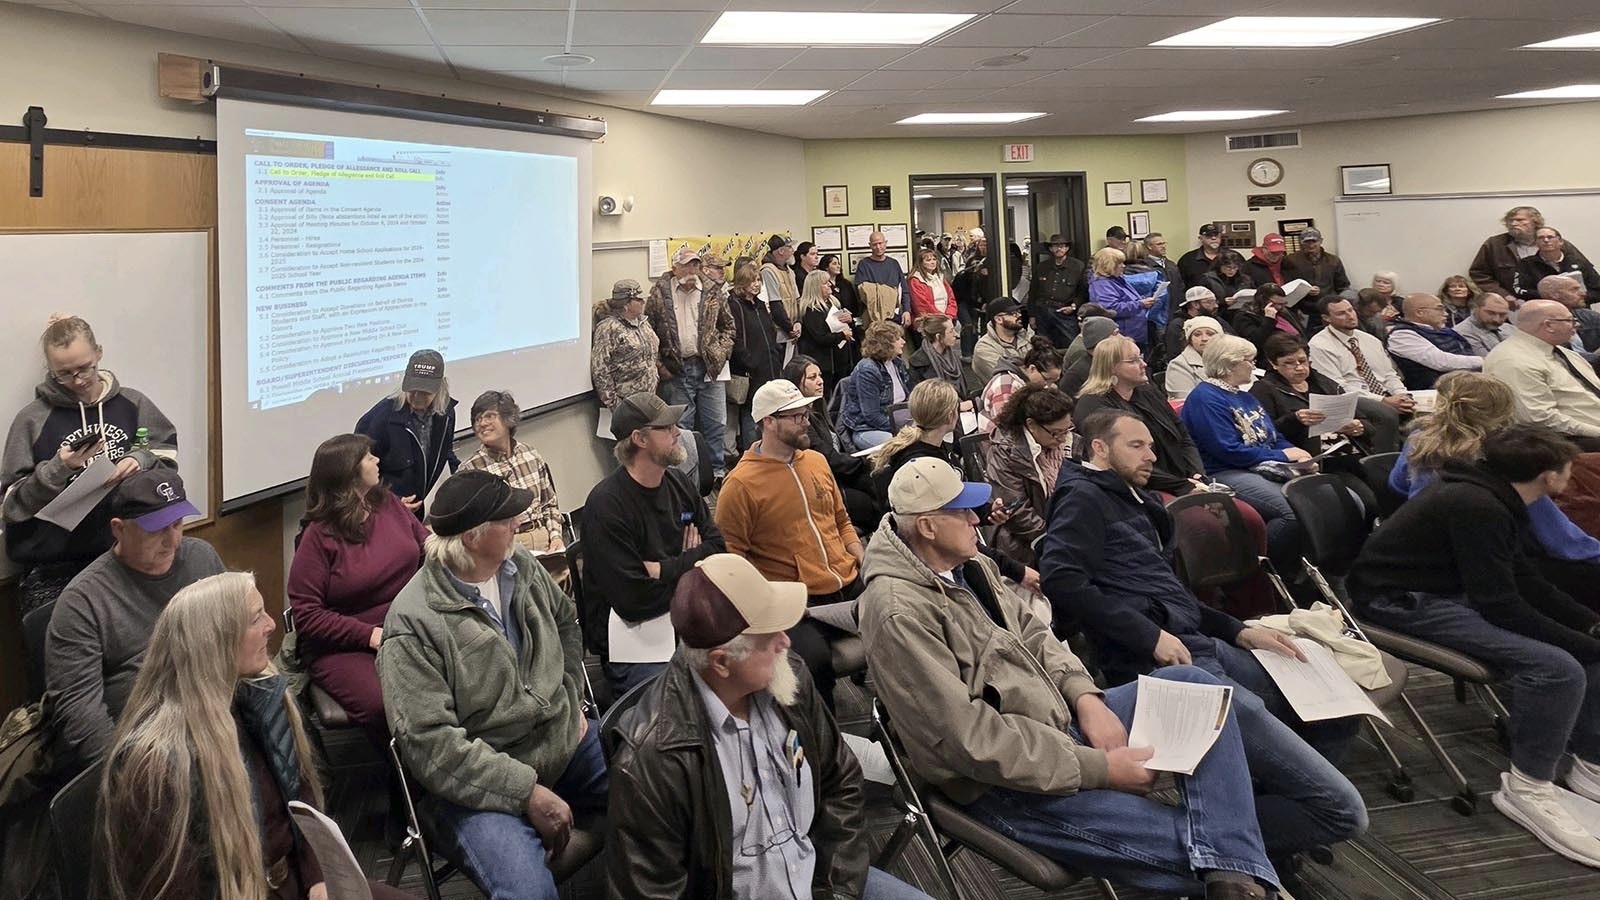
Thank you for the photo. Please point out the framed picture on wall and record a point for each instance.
(1139, 224)
(828, 238)
(1372, 178)
(1153, 190)
(895, 234)
(851, 263)
(835, 200)
(1119, 193)
(857, 237)
(901, 257)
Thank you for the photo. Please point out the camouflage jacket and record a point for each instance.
(715, 321)
(622, 359)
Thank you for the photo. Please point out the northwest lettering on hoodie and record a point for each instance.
(114, 416)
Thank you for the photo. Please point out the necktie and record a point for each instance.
(1567, 364)
(1365, 371)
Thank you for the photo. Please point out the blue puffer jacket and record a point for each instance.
(866, 403)
(1106, 564)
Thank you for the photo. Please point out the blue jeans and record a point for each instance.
(622, 677)
(1266, 497)
(883, 886)
(872, 438)
(707, 403)
(1302, 799)
(502, 853)
(1138, 841)
(1555, 700)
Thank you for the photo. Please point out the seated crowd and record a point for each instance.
(967, 478)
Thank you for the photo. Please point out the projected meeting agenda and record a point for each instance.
(358, 251)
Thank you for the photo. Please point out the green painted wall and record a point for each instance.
(860, 164)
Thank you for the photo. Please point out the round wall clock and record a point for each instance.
(1265, 172)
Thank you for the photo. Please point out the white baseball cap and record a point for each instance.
(724, 596)
(776, 396)
(928, 483)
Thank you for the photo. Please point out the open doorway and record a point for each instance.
(966, 208)
(1042, 204)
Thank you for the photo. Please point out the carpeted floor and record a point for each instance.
(1421, 849)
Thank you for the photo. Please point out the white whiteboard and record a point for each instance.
(1427, 238)
(146, 294)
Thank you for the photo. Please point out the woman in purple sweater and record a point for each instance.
(358, 546)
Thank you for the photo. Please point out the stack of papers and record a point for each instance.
(1318, 688)
(1179, 721)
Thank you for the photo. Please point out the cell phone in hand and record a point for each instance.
(87, 439)
(1015, 505)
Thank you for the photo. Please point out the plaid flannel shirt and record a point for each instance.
(524, 468)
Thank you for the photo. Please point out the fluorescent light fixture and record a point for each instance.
(1589, 41)
(972, 190)
(740, 97)
(1212, 115)
(1566, 92)
(1255, 32)
(818, 29)
(998, 118)
(922, 196)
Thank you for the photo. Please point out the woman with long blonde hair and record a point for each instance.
(826, 329)
(206, 756)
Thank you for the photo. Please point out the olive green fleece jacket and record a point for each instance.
(476, 724)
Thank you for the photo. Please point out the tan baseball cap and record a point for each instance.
(776, 396)
(724, 596)
(927, 484)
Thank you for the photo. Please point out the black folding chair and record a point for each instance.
(926, 818)
(74, 813)
(1214, 546)
(971, 447)
(1335, 527)
(585, 843)
(835, 404)
(614, 713)
(34, 627)
(1375, 468)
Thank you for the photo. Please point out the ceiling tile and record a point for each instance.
(895, 80)
(335, 4)
(848, 57)
(600, 81)
(1015, 31)
(230, 23)
(794, 79)
(547, 5)
(490, 27)
(528, 58)
(641, 27)
(350, 26)
(1130, 31)
(720, 57)
(993, 78)
(725, 79)
(866, 98)
(1083, 7)
(945, 59)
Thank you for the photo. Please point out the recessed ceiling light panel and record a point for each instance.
(735, 98)
(1565, 92)
(821, 29)
(1590, 41)
(1256, 32)
(1212, 115)
(994, 118)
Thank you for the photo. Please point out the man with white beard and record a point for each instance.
(733, 744)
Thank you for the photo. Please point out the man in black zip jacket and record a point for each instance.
(414, 431)
(1450, 567)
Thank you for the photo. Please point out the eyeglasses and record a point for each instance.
(1131, 360)
(1549, 237)
(83, 373)
(490, 416)
(1057, 433)
(1567, 321)
(796, 416)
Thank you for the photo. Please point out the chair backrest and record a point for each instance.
(575, 522)
(614, 713)
(74, 813)
(1334, 523)
(899, 416)
(1215, 548)
(1376, 468)
(34, 626)
(972, 456)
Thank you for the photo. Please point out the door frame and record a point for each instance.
(1079, 210)
(991, 214)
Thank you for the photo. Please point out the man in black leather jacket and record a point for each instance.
(729, 777)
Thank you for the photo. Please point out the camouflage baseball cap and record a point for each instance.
(713, 261)
(626, 289)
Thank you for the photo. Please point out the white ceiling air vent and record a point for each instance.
(1267, 140)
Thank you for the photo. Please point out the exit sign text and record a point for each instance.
(1018, 153)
